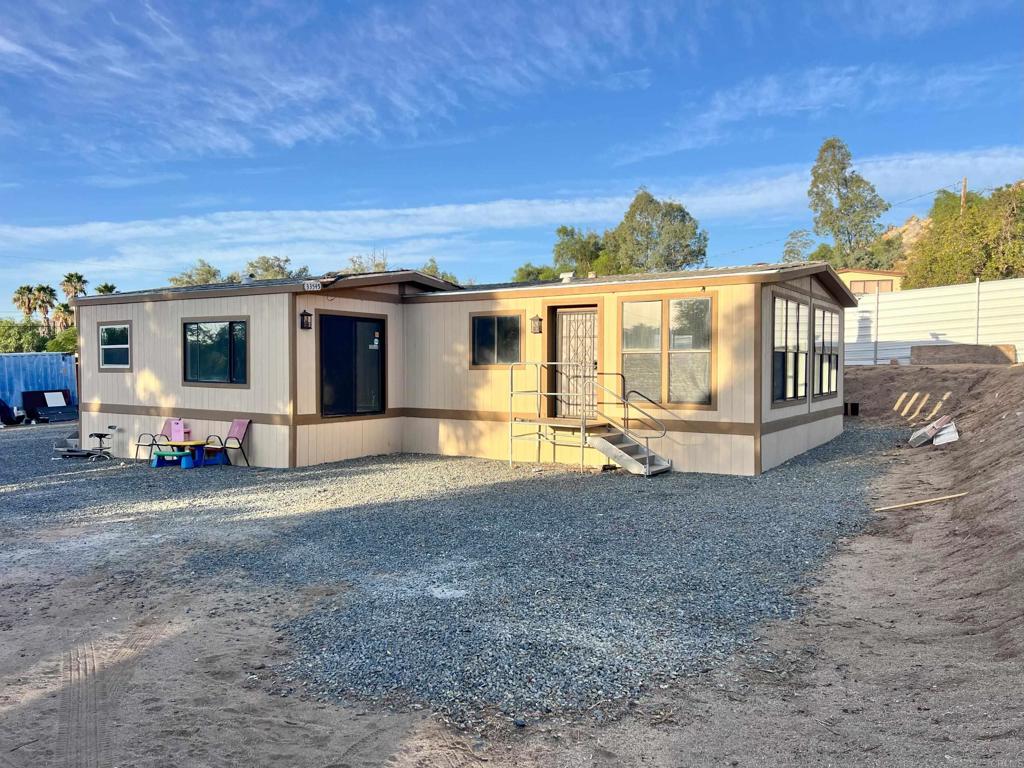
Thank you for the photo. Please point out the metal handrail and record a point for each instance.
(589, 389)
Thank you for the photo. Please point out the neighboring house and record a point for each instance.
(743, 365)
(863, 281)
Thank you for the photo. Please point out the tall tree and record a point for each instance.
(21, 336)
(654, 236)
(46, 299)
(201, 273)
(845, 204)
(63, 317)
(24, 298)
(73, 284)
(431, 268)
(797, 246)
(106, 288)
(576, 251)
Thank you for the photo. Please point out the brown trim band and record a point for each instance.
(798, 421)
(277, 419)
(312, 419)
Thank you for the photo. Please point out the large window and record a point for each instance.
(789, 350)
(666, 349)
(496, 339)
(352, 368)
(115, 346)
(825, 371)
(216, 352)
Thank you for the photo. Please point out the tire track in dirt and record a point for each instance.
(90, 687)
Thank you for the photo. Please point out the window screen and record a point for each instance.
(789, 349)
(496, 339)
(115, 346)
(641, 347)
(216, 352)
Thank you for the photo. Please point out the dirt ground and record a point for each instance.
(908, 655)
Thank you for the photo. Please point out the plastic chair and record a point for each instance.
(217, 453)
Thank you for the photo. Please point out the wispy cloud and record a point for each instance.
(908, 18)
(817, 92)
(158, 80)
(480, 231)
(115, 181)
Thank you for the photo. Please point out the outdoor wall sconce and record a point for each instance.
(536, 324)
(306, 320)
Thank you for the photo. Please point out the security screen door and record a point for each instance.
(577, 344)
(352, 369)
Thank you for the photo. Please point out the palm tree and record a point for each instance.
(106, 288)
(46, 298)
(63, 317)
(25, 299)
(73, 284)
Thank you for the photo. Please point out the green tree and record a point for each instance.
(431, 268)
(63, 317)
(46, 299)
(364, 263)
(985, 241)
(201, 273)
(531, 273)
(654, 236)
(798, 245)
(576, 251)
(21, 336)
(24, 299)
(64, 341)
(845, 204)
(269, 268)
(73, 285)
(106, 288)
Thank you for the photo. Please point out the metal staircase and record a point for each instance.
(607, 422)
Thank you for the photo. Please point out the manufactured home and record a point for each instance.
(728, 371)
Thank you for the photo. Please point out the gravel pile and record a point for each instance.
(474, 587)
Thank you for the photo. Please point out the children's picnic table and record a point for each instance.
(190, 453)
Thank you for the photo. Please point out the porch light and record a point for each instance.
(306, 320)
(536, 324)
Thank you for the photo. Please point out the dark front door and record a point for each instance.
(351, 365)
(576, 353)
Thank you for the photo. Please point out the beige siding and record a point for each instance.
(319, 443)
(266, 444)
(782, 446)
(157, 355)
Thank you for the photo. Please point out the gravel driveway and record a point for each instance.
(466, 585)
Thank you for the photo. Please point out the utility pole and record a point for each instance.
(963, 195)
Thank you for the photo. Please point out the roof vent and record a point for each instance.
(566, 277)
(248, 278)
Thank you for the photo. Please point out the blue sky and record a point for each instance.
(137, 137)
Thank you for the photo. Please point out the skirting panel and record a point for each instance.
(781, 446)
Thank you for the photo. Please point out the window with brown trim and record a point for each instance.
(825, 370)
(496, 339)
(115, 346)
(216, 352)
(666, 345)
(789, 350)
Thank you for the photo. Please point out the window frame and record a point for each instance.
(665, 350)
(521, 314)
(835, 352)
(384, 373)
(100, 346)
(805, 338)
(186, 382)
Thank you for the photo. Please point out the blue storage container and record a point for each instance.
(28, 371)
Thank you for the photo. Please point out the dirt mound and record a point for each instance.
(980, 559)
